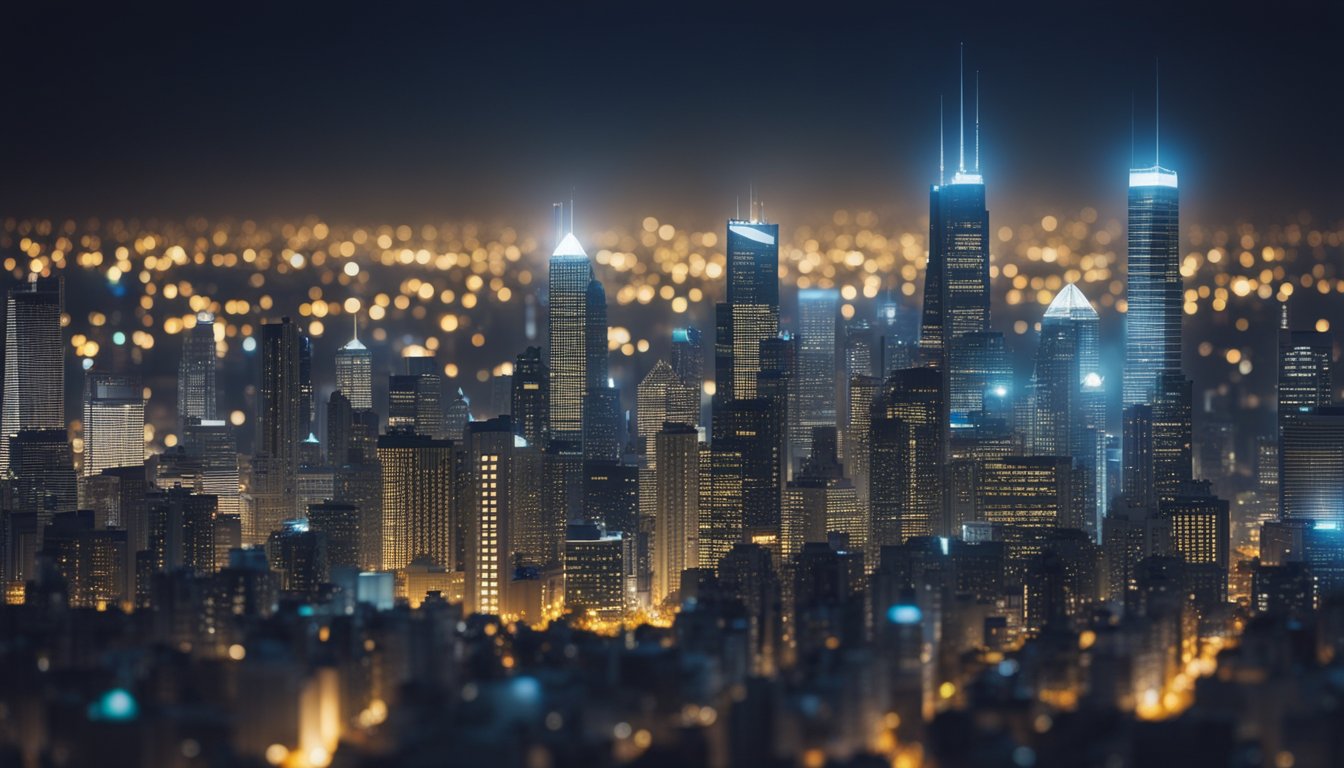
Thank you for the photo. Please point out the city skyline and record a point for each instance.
(988, 479)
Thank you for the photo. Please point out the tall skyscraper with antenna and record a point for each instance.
(578, 353)
(956, 280)
(1153, 292)
(354, 371)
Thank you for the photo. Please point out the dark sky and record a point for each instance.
(367, 110)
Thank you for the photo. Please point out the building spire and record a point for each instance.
(1131, 129)
(354, 317)
(942, 154)
(961, 115)
(1157, 112)
(558, 211)
(977, 121)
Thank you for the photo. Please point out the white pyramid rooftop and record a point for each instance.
(569, 246)
(1070, 303)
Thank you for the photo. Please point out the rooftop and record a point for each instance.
(1157, 176)
(569, 246)
(1070, 303)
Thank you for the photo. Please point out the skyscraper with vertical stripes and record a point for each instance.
(1153, 292)
(750, 314)
(196, 373)
(569, 338)
(956, 279)
(34, 394)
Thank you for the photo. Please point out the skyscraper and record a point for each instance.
(750, 314)
(419, 512)
(280, 419)
(531, 396)
(196, 373)
(215, 445)
(595, 568)
(1311, 460)
(956, 279)
(1305, 358)
(663, 397)
(415, 399)
(1068, 406)
(603, 424)
(354, 372)
(457, 416)
(493, 478)
(1173, 437)
(688, 356)
(1153, 292)
(34, 394)
(817, 312)
(980, 377)
(307, 402)
(114, 422)
(44, 473)
(677, 523)
(569, 297)
(906, 457)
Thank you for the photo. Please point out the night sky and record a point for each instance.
(364, 110)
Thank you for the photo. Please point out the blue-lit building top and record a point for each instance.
(753, 263)
(1154, 294)
(956, 280)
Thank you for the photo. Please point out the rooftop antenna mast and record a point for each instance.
(942, 153)
(571, 210)
(961, 116)
(1131, 129)
(558, 210)
(977, 121)
(354, 318)
(1157, 112)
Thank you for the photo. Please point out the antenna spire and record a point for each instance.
(1157, 112)
(942, 154)
(571, 210)
(961, 119)
(558, 211)
(1131, 129)
(354, 318)
(977, 121)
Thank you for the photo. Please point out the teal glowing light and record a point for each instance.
(117, 705)
(904, 614)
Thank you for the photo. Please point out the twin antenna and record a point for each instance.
(752, 204)
(558, 210)
(961, 121)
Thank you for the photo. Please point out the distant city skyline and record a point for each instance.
(830, 482)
